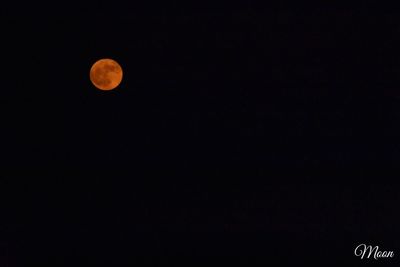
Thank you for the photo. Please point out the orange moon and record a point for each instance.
(106, 74)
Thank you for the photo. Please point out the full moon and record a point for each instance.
(106, 74)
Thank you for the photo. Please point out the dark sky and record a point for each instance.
(245, 134)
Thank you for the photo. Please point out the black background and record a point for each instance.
(242, 134)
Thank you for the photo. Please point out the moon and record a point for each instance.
(106, 74)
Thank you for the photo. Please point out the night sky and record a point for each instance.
(243, 134)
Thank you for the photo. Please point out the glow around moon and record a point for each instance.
(106, 74)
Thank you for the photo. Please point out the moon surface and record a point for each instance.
(106, 74)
